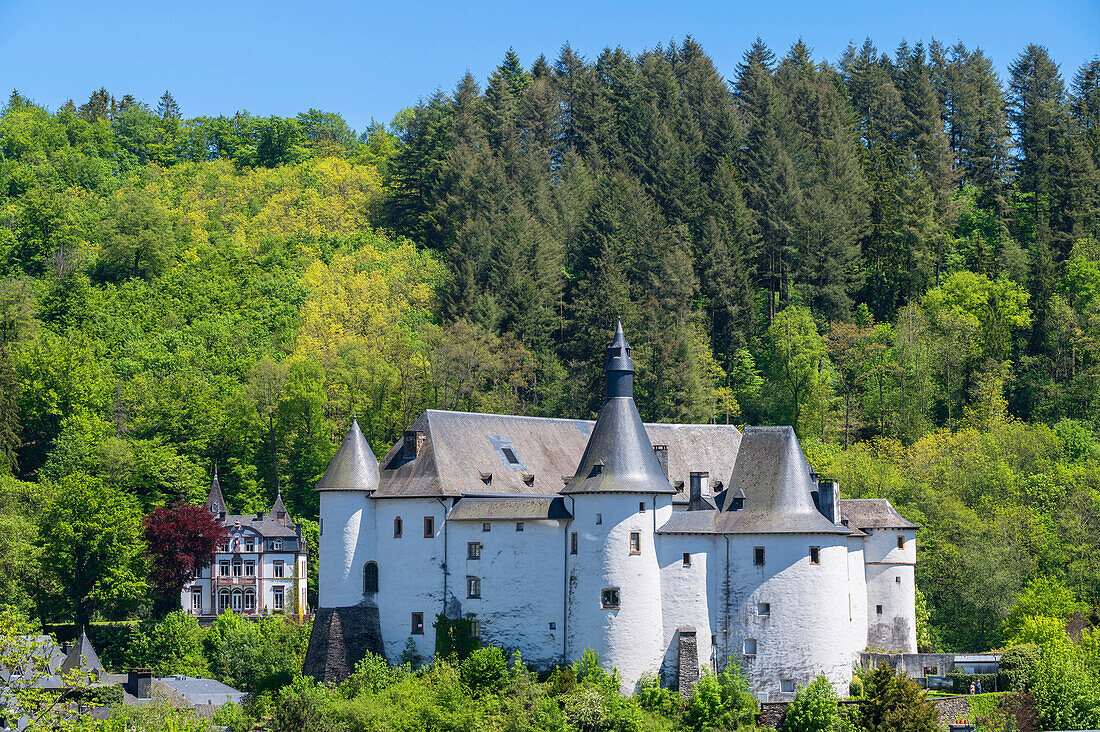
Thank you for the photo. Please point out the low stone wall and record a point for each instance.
(950, 708)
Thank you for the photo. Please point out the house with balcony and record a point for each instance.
(259, 569)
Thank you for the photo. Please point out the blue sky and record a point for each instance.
(368, 59)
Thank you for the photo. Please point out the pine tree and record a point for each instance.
(167, 107)
(98, 106)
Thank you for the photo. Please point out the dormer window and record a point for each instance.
(596, 469)
(277, 544)
(528, 479)
(487, 478)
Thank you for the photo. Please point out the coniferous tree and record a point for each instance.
(167, 108)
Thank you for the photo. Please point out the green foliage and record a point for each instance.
(814, 708)
(720, 701)
(255, 656)
(892, 701)
(1017, 665)
(1045, 598)
(454, 638)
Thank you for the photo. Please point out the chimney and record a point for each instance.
(139, 682)
(661, 451)
(828, 500)
(695, 492)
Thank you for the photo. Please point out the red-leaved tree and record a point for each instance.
(180, 540)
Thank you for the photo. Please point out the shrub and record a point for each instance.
(720, 701)
(1017, 664)
(814, 708)
(657, 699)
(232, 717)
(485, 669)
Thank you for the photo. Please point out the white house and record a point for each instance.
(260, 568)
(660, 546)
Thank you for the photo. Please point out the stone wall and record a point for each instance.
(340, 638)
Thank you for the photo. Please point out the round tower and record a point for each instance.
(619, 496)
(346, 522)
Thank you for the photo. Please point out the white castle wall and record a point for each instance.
(410, 576)
(689, 595)
(891, 585)
(629, 638)
(857, 595)
(522, 577)
(346, 543)
(803, 635)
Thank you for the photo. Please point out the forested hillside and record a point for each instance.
(898, 253)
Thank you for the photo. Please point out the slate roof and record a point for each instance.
(268, 527)
(354, 467)
(196, 691)
(872, 513)
(512, 508)
(215, 502)
(83, 657)
(776, 479)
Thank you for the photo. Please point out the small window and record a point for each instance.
(418, 623)
(553, 626)
(249, 545)
(786, 686)
(370, 577)
(815, 555)
(758, 556)
(277, 544)
(596, 469)
(901, 542)
(475, 628)
(750, 647)
(737, 504)
(641, 506)
(223, 568)
(687, 559)
(277, 598)
(429, 527)
(878, 609)
(609, 598)
(519, 526)
(510, 455)
(635, 542)
(320, 527)
(277, 568)
(473, 550)
(485, 527)
(529, 480)
(473, 587)
(898, 580)
(397, 528)
(196, 598)
(573, 543)
(763, 608)
(599, 519)
(236, 569)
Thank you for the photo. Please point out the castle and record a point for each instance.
(666, 548)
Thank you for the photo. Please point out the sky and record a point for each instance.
(368, 60)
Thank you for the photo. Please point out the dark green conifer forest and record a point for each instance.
(896, 251)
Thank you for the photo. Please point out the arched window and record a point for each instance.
(249, 601)
(397, 527)
(370, 577)
(238, 605)
(223, 601)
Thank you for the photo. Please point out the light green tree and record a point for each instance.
(795, 355)
(814, 708)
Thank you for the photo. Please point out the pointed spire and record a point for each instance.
(83, 657)
(619, 368)
(215, 502)
(619, 456)
(278, 510)
(354, 466)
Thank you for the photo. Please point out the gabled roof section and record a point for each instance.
(279, 513)
(872, 513)
(619, 457)
(215, 502)
(774, 474)
(353, 467)
(83, 657)
(525, 508)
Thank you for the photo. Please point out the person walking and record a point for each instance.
(971, 687)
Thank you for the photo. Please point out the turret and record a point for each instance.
(619, 494)
(215, 502)
(346, 513)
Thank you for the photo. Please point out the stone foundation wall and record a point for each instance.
(340, 638)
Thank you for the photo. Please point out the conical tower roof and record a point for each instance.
(619, 457)
(278, 511)
(83, 657)
(354, 467)
(773, 473)
(215, 502)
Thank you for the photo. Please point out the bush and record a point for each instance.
(657, 699)
(814, 708)
(1017, 664)
(855, 688)
(962, 681)
(485, 669)
(720, 701)
(232, 717)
